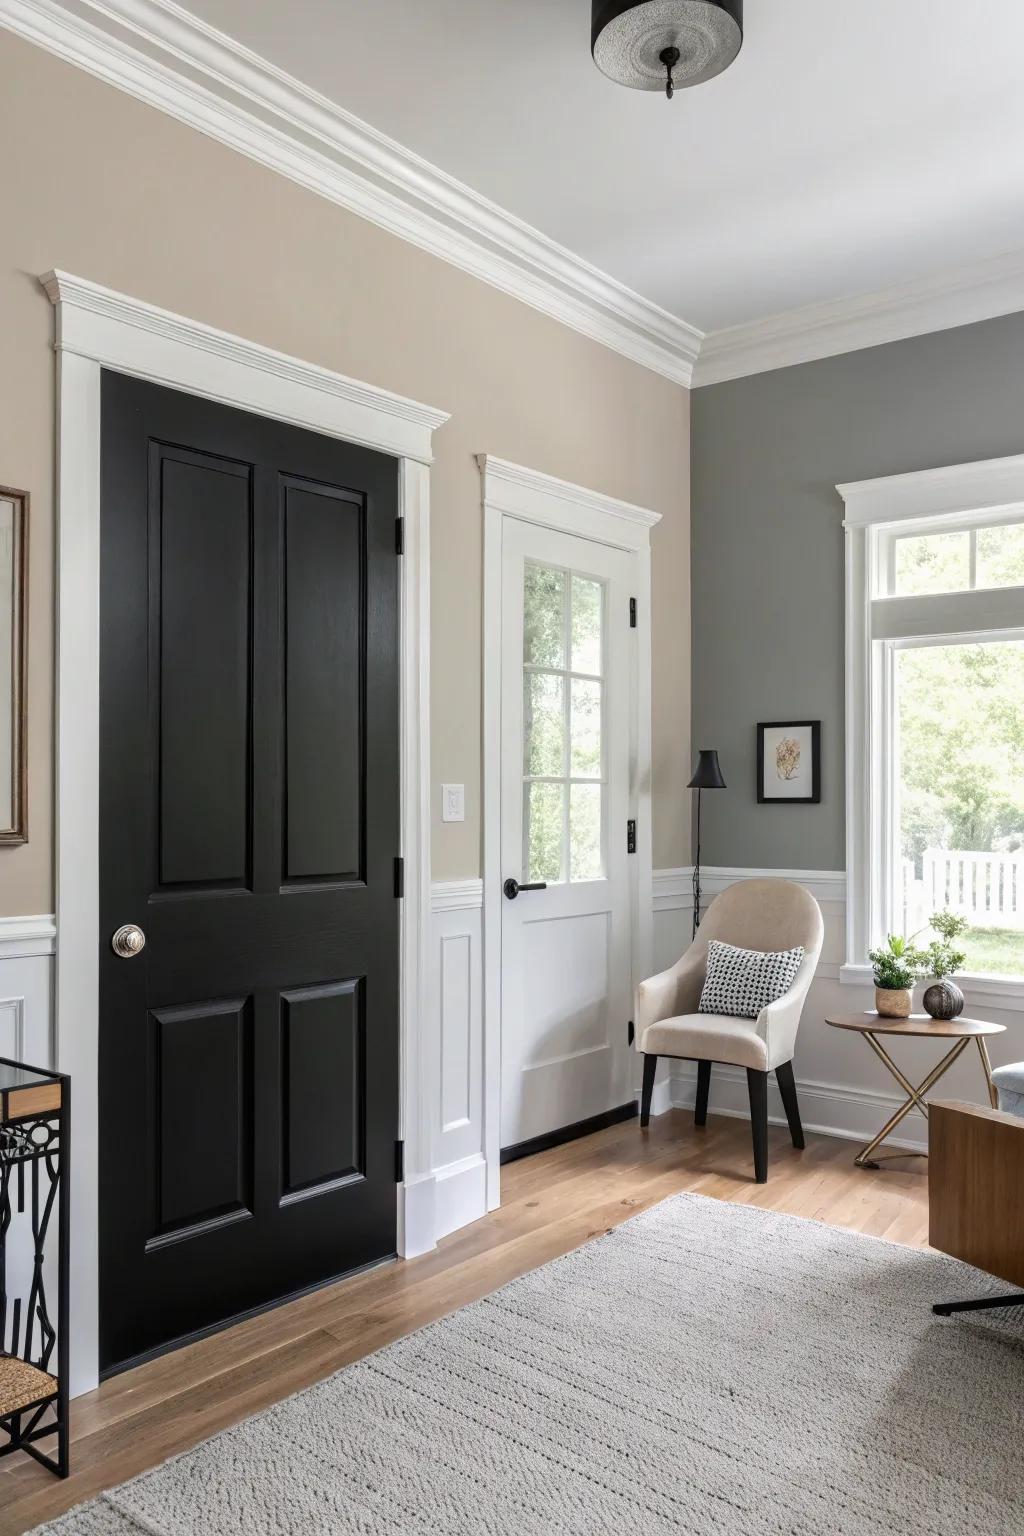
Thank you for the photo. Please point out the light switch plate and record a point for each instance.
(453, 802)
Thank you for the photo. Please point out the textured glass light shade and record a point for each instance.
(628, 41)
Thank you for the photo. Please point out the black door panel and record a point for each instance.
(249, 821)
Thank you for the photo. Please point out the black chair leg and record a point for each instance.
(757, 1088)
(650, 1067)
(979, 1304)
(700, 1111)
(787, 1087)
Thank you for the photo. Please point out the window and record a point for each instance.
(935, 714)
(960, 794)
(962, 560)
(563, 744)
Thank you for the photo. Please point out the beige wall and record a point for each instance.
(95, 183)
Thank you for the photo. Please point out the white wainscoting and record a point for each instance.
(456, 981)
(26, 1034)
(26, 988)
(454, 1192)
(844, 1090)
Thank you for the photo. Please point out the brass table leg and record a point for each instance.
(915, 1099)
(993, 1092)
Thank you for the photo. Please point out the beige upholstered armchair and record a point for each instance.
(765, 915)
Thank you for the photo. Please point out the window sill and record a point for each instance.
(1005, 992)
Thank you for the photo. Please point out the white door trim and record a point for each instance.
(509, 490)
(98, 328)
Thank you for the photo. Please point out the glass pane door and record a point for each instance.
(564, 757)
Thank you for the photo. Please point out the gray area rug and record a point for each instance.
(704, 1368)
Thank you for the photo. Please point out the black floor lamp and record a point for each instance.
(706, 775)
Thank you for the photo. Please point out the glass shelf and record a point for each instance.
(13, 1075)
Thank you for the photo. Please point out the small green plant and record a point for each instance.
(899, 963)
(896, 964)
(940, 958)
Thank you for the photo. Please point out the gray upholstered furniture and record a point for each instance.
(1009, 1085)
(753, 914)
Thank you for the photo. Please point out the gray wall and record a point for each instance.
(767, 548)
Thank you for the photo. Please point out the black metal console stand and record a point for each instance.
(35, 1108)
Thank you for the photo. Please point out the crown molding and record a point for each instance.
(958, 296)
(160, 54)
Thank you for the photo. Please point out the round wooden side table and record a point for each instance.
(918, 1026)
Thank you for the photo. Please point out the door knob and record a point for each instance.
(512, 887)
(128, 941)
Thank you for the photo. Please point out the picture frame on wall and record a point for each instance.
(789, 762)
(13, 666)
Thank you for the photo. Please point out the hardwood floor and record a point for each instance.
(552, 1203)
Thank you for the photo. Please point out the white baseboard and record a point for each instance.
(439, 1203)
(461, 1195)
(417, 1224)
(661, 1099)
(828, 1109)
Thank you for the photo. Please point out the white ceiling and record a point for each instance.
(849, 148)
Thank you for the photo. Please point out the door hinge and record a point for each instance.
(399, 535)
(632, 613)
(399, 1162)
(399, 877)
(631, 837)
(630, 1032)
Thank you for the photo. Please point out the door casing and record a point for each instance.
(512, 491)
(95, 328)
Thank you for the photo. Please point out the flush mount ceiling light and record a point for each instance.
(658, 45)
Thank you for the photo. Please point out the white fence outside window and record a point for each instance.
(986, 888)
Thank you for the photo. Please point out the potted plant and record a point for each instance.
(895, 967)
(944, 999)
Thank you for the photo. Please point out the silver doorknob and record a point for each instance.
(128, 941)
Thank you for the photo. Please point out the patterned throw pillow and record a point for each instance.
(741, 982)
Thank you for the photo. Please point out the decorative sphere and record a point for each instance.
(944, 1000)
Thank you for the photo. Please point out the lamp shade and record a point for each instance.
(707, 774)
(630, 41)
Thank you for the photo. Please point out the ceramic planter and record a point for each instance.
(943, 999)
(893, 1002)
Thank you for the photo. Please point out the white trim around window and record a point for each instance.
(97, 328)
(878, 624)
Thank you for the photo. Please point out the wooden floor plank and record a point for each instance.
(551, 1203)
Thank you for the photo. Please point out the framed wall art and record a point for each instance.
(789, 762)
(13, 665)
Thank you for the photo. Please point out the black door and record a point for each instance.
(249, 824)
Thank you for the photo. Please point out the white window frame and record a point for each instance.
(877, 625)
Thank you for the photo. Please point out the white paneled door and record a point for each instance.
(566, 748)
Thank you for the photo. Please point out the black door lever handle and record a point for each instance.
(512, 887)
